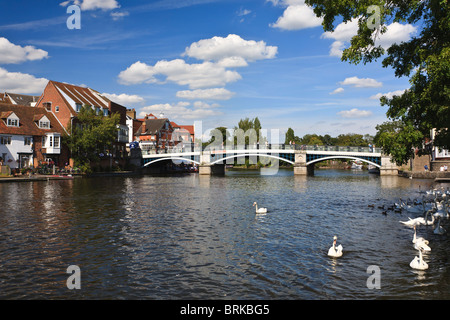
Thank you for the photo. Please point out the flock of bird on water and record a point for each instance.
(433, 208)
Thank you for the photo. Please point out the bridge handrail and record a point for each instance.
(192, 148)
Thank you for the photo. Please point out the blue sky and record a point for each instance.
(215, 61)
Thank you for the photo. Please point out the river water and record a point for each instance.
(191, 237)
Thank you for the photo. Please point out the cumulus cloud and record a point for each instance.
(388, 95)
(119, 15)
(21, 82)
(338, 90)
(343, 33)
(124, 99)
(206, 94)
(296, 16)
(355, 113)
(182, 110)
(11, 53)
(202, 75)
(361, 82)
(233, 47)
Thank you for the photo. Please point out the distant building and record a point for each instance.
(30, 137)
(20, 99)
(155, 135)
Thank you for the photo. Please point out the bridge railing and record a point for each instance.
(271, 146)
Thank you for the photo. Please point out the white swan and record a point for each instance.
(334, 251)
(439, 229)
(413, 222)
(418, 263)
(420, 242)
(260, 210)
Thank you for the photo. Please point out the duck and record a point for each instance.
(260, 210)
(334, 251)
(418, 263)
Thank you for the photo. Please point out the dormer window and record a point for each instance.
(105, 112)
(97, 110)
(44, 124)
(12, 122)
(78, 107)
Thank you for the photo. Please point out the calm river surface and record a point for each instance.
(191, 237)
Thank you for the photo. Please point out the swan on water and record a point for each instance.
(420, 242)
(418, 263)
(335, 251)
(413, 222)
(439, 229)
(260, 210)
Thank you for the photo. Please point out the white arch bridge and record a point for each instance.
(212, 160)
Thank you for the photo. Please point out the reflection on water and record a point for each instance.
(191, 237)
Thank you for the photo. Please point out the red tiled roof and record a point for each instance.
(27, 122)
(189, 128)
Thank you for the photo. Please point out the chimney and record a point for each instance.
(131, 113)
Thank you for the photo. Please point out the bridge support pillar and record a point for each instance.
(300, 167)
(209, 170)
(388, 168)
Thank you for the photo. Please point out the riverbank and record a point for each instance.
(37, 178)
(441, 176)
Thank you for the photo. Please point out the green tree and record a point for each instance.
(424, 59)
(257, 127)
(290, 136)
(91, 134)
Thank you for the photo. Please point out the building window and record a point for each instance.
(13, 122)
(50, 141)
(105, 112)
(5, 140)
(44, 141)
(44, 124)
(78, 107)
(56, 141)
(57, 109)
(27, 141)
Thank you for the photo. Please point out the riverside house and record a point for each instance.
(65, 100)
(30, 137)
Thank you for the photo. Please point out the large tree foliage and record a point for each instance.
(91, 135)
(424, 59)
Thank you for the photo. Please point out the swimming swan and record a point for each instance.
(335, 251)
(418, 263)
(420, 242)
(260, 210)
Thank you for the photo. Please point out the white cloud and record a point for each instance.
(182, 110)
(338, 90)
(388, 95)
(93, 4)
(119, 15)
(243, 12)
(355, 113)
(196, 76)
(21, 82)
(344, 32)
(124, 99)
(361, 82)
(206, 94)
(11, 53)
(233, 47)
(297, 16)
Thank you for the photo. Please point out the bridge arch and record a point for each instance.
(170, 158)
(343, 157)
(250, 155)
